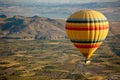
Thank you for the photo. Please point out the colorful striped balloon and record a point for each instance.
(87, 29)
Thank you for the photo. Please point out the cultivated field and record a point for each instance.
(56, 60)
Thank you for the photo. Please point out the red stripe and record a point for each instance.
(87, 28)
(87, 46)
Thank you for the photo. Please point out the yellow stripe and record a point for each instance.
(103, 34)
(89, 43)
(87, 35)
(87, 24)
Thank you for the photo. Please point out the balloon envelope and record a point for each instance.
(87, 29)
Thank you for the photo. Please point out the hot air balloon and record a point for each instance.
(87, 29)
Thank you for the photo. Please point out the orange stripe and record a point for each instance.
(86, 28)
(87, 46)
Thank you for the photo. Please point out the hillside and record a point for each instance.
(20, 27)
(31, 28)
(114, 28)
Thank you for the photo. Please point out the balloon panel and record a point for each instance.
(87, 49)
(98, 35)
(87, 29)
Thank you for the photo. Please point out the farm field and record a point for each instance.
(56, 60)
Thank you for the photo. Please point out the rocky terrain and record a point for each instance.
(30, 28)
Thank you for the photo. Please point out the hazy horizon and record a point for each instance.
(52, 8)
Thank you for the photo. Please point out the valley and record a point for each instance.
(56, 59)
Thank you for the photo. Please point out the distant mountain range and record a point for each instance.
(111, 8)
(20, 27)
(32, 28)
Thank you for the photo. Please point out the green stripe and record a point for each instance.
(74, 20)
(85, 41)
